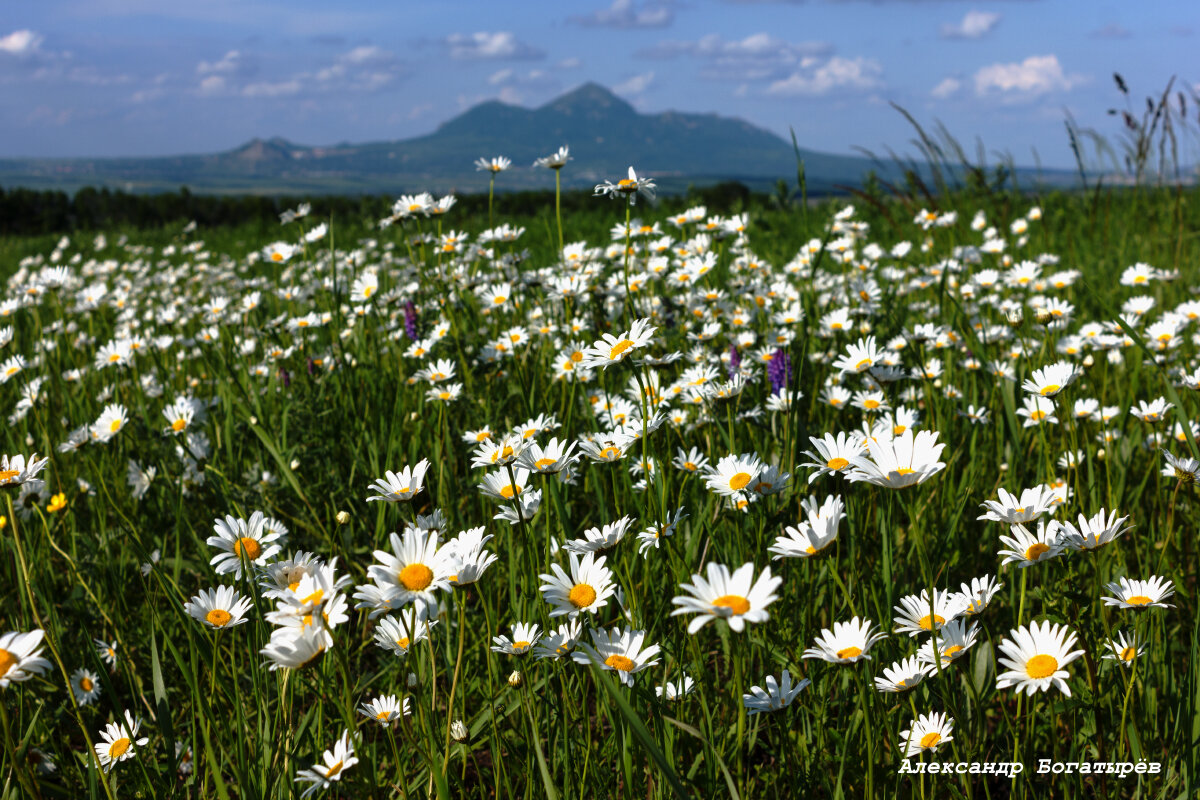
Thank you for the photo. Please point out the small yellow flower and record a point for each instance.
(57, 503)
(3, 522)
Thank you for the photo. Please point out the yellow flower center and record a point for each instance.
(334, 770)
(1037, 416)
(9, 474)
(905, 471)
(403, 642)
(930, 739)
(114, 358)
(926, 622)
(610, 453)
(870, 405)
(1036, 551)
(249, 546)
(860, 366)
(7, 662)
(1041, 666)
(542, 463)
(521, 645)
(620, 348)
(383, 715)
(277, 256)
(1128, 654)
(735, 603)
(1049, 389)
(119, 748)
(1138, 600)
(626, 184)
(85, 683)
(179, 424)
(218, 617)
(115, 426)
(837, 463)
(416, 577)
(582, 595)
(619, 662)
(810, 550)
(509, 491)
(739, 481)
(952, 650)
(849, 652)
(498, 299)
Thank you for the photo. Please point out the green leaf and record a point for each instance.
(640, 731)
(162, 711)
(729, 782)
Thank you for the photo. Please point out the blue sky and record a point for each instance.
(156, 77)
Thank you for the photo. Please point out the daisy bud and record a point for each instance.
(1042, 316)
(29, 440)
(253, 420)
(295, 464)
(412, 680)
(1088, 360)
(1004, 466)
(1100, 454)
(458, 730)
(342, 517)
(1015, 317)
(514, 680)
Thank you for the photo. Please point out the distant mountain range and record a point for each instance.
(605, 134)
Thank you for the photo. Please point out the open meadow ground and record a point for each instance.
(762, 501)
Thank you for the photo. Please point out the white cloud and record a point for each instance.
(757, 57)
(635, 85)
(213, 84)
(1036, 75)
(947, 88)
(229, 64)
(836, 74)
(975, 25)
(482, 45)
(569, 63)
(624, 14)
(21, 43)
(286, 88)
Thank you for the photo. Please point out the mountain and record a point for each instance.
(605, 134)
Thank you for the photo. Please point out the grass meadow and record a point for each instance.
(651, 500)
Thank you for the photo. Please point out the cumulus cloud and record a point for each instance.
(229, 64)
(1033, 77)
(635, 85)
(758, 57)
(366, 68)
(21, 43)
(518, 86)
(627, 15)
(834, 74)
(947, 88)
(975, 25)
(501, 45)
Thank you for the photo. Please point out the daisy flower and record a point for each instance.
(335, 762)
(561, 641)
(111, 421)
(1154, 411)
(1185, 469)
(1026, 548)
(402, 486)
(777, 693)
(551, 459)
(903, 675)
(607, 448)
(1149, 593)
(501, 485)
(524, 637)
(17, 470)
(1036, 656)
(240, 539)
(117, 742)
(1124, 651)
(296, 647)
(899, 462)
(859, 357)
(400, 633)
(653, 535)
(219, 608)
(917, 614)
(20, 657)
(385, 709)
(629, 187)
(587, 588)
(928, 732)
(106, 651)
(674, 690)
(847, 643)
(598, 539)
(618, 650)
(949, 644)
(1036, 410)
(494, 164)
(834, 454)
(411, 573)
(733, 474)
(1013, 510)
(1092, 533)
(556, 160)
(735, 597)
(976, 596)
(609, 349)
(1049, 381)
(85, 685)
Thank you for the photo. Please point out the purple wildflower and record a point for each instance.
(735, 360)
(779, 371)
(410, 320)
